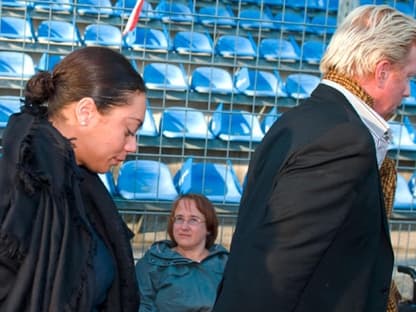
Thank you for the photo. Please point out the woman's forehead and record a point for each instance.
(187, 205)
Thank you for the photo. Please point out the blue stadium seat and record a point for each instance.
(304, 4)
(312, 51)
(123, 9)
(149, 128)
(17, 4)
(105, 35)
(58, 32)
(145, 180)
(279, 49)
(231, 46)
(412, 184)
(184, 122)
(300, 86)
(16, 29)
(102, 8)
(142, 39)
(403, 199)
(332, 5)
(404, 7)
(255, 18)
(218, 182)
(212, 80)
(322, 24)
(235, 125)
(216, 15)
(402, 144)
(5, 114)
(48, 61)
(290, 21)
(16, 65)
(269, 119)
(262, 2)
(8, 106)
(164, 76)
(192, 42)
(410, 129)
(253, 82)
(363, 2)
(322, 5)
(12, 102)
(174, 12)
(108, 180)
(55, 6)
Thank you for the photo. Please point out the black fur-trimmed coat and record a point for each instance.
(47, 206)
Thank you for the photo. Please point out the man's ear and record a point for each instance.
(382, 72)
(85, 111)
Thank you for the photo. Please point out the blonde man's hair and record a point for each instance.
(369, 34)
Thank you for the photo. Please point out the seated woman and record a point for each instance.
(183, 274)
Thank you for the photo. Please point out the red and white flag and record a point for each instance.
(134, 17)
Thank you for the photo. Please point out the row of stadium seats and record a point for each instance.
(152, 180)
(227, 125)
(176, 12)
(190, 123)
(18, 29)
(202, 79)
(217, 80)
(165, 76)
(208, 14)
(181, 12)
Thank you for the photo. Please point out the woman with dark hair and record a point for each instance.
(183, 274)
(63, 245)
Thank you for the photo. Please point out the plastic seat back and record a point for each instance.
(216, 15)
(16, 65)
(47, 61)
(145, 180)
(216, 181)
(300, 86)
(164, 76)
(231, 46)
(191, 42)
(103, 8)
(142, 39)
(105, 35)
(235, 125)
(403, 199)
(58, 32)
(16, 29)
(253, 82)
(212, 80)
(174, 12)
(181, 122)
(273, 49)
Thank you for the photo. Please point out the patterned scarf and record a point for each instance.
(350, 85)
(388, 173)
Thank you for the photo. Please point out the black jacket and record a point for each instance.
(47, 207)
(312, 233)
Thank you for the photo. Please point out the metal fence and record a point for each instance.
(149, 226)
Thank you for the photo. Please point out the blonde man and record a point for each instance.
(312, 232)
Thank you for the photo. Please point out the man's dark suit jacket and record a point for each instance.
(312, 233)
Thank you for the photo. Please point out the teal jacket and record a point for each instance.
(169, 282)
